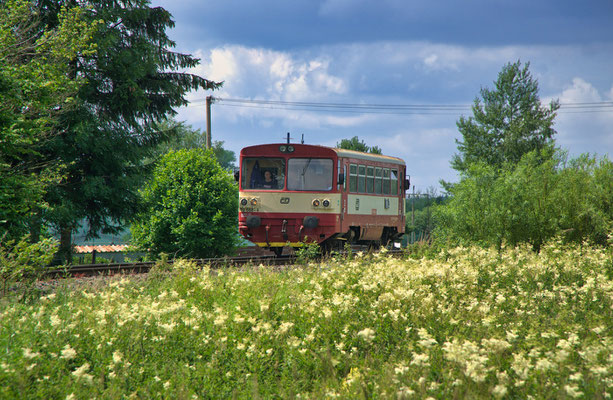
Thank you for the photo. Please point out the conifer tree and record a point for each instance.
(132, 84)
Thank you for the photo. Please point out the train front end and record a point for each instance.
(288, 195)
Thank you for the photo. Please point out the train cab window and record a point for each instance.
(378, 178)
(263, 173)
(353, 178)
(370, 179)
(309, 174)
(394, 181)
(386, 181)
(361, 179)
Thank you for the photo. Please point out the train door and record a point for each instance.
(402, 196)
(343, 169)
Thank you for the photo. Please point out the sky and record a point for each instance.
(384, 58)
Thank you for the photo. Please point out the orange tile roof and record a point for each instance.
(112, 248)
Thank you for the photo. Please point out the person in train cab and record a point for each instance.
(269, 182)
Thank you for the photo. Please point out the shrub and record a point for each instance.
(530, 202)
(190, 207)
(23, 262)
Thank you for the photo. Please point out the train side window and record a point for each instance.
(386, 181)
(378, 178)
(394, 181)
(370, 179)
(353, 178)
(361, 179)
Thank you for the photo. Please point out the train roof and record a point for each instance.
(368, 156)
(339, 152)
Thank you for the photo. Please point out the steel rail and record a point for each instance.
(82, 270)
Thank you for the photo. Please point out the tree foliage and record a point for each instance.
(131, 83)
(515, 187)
(507, 123)
(358, 145)
(35, 90)
(420, 221)
(184, 136)
(190, 207)
(531, 202)
(24, 263)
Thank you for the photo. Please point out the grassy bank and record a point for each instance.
(466, 323)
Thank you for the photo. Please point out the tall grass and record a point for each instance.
(465, 323)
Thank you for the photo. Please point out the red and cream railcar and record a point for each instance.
(297, 193)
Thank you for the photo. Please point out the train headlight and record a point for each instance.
(244, 202)
(254, 202)
(286, 149)
(326, 203)
(315, 203)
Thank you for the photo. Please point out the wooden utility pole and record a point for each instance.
(209, 100)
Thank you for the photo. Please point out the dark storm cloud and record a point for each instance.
(304, 23)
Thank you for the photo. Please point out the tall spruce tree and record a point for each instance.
(132, 84)
(509, 123)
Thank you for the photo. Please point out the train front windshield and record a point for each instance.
(309, 174)
(263, 173)
(303, 174)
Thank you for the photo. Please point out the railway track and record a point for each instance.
(144, 267)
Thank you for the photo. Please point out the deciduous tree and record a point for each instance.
(190, 207)
(358, 145)
(184, 136)
(508, 122)
(35, 91)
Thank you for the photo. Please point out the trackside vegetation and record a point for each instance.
(188, 208)
(531, 202)
(465, 322)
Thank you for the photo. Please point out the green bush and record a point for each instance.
(23, 262)
(190, 208)
(531, 202)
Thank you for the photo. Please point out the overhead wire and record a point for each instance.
(393, 109)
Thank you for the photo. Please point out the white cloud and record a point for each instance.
(263, 73)
(391, 73)
(580, 92)
(431, 60)
(584, 130)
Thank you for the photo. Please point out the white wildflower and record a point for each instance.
(573, 391)
(81, 373)
(27, 353)
(117, 357)
(499, 391)
(367, 334)
(420, 360)
(68, 353)
(544, 365)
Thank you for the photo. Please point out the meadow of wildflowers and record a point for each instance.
(464, 323)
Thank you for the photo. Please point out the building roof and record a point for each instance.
(111, 248)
